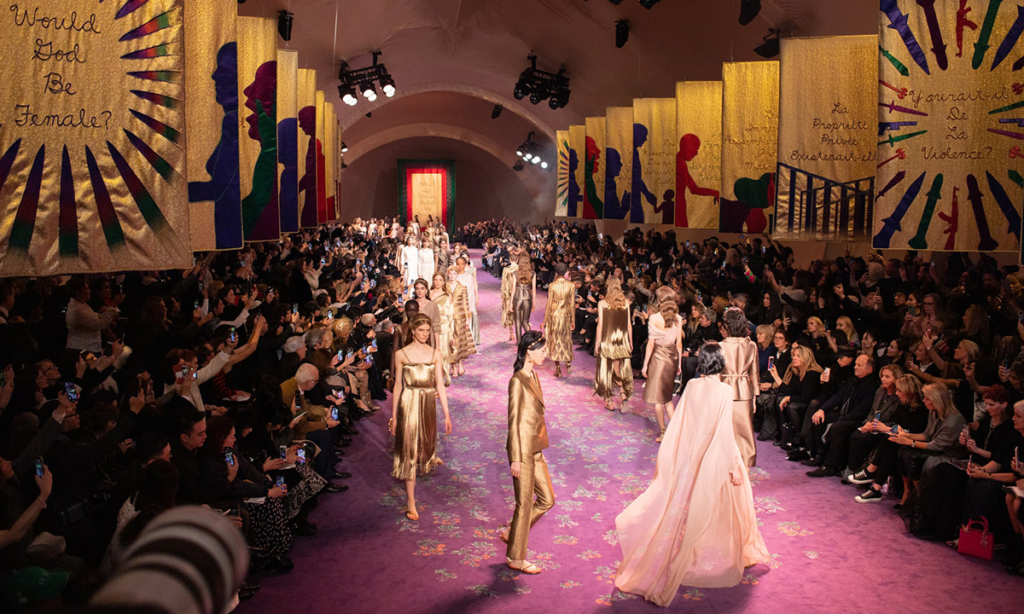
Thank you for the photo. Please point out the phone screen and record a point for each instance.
(334, 414)
(771, 362)
(280, 481)
(302, 456)
(233, 336)
(39, 466)
(283, 451)
(295, 308)
(71, 391)
(229, 457)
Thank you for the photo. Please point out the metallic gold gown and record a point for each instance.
(613, 346)
(464, 346)
(416, 423)
(444, 327)
(664, 364)
(560, 319)
(507, 283)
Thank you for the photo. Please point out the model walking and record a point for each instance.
(523, 294)
(560, 319)
(463, 336)
(742, 373)
(662, 360)
(444, 327)
(613, 346)
(508, 284)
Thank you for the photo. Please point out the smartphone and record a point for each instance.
(229, 457)
(298, 398)
(895, 430)
(295, 308)
(323, 261)
(341, 355)
(373, 283)
(334, 414)
(69, 388)
(39, 466)
(330, 315)
(302, 456)
(233, 337)
(878, 416)
(280, 481)
(1020, 317)
(196, 306)
(912, 310)
(764, 249)
(771, 362)
(374, 344)
(348, 354)
(283, 451)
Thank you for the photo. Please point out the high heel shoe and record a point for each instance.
(558, 370)
(660, 437)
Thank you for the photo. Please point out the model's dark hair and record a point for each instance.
(736, 322)
(710, 359)
(531, 340)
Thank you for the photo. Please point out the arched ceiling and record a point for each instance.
(453, 60)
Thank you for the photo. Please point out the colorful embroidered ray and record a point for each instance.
(981, 47)
(1005, 204)
(163, 76)
(7, 162)
(1016, 178)
(147, 206)
(920, 240)
(893, 223)
(952, 222)
(158, 126)
(899, 66)
(158, 99)
(130, 7)
(149, 53)
(898, 22)
(25, 219)
(160, 22)
(938, 47)
(67, 228)
(986, 241)
(1012, 36)
(108, 217)
(159, 164)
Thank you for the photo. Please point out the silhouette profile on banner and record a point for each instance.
(260, 208)
(613, 207)
(689, 147)
(593, 208)
(639, 188)
(307, 184)
(574, 186)
(753, 196)
(288, 157)
(666, 207)
(223, 188)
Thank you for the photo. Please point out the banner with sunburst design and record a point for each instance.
(750, 136)
(257, 87)
(321, 160)
(307, 148)
(618, 162)
(330, 156)
(92, 147)
(951, 124)
(577, 145)
(593, 169)
(654, 160)
(562, 174)
(215, 204)
(698, 163)
(288, 138)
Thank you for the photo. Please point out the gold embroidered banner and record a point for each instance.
(577, 147)
(215, 204)
(337, 173)
(750, 128)
(288, 138)
(330, 156)
(698, 161)
(951, 118)
(427, 194)
(618, 165)
(827, 130)
(321, 160)
(562, 196)
(257, 88)
(593, 169)
(652, 196)
(307, 148)
(92, 147)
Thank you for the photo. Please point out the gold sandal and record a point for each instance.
(660, 437)
(527, 568)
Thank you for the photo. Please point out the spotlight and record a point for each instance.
(344, 147)
(519, 152)
(361, 81)
(648, 3)
(770, 47)
(343, 165)
(621, 33)
(540, 85)
(537, 97)
(518, 166)
(284, 25)
(535, 160)
(749, 9)
(543, 164)
(387, 84)
(369, 92)
(497, 111)
(348, 95)
(527, 156)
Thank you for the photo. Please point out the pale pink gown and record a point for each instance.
(692, 527)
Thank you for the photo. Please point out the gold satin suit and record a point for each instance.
(527, 438)
(560, 319)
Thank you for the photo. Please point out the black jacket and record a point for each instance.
(853, 401)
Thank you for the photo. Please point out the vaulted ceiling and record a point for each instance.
(453, 60)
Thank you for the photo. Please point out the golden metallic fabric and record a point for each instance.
(257, 117)
(614, 341)
(337, 165)
(210, 33)
(562, 196)
(331, 156)
(527, 439)
(657, 154)
(416, 417)
(507, 283)
(321, 138)
(287, 121)
(597, 128)
(750, 131)
(743, 375)
(92, 138)
(949, 162)
(618, 162)
(534, 480)
(560, 319)
(827, 128)
(699, 112)
(661, 374)
(606, 378)
(445, 328)
(577, 149)
(464, 346)
(307, 147)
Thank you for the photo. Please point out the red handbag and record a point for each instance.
(975, 542)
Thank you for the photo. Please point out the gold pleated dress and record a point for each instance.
(614, 346)
(445, 329)
(416, 423)
(464, 346)
(507, 284)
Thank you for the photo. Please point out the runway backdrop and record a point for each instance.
(425, 188)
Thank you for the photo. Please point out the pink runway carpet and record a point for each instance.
(830, 554)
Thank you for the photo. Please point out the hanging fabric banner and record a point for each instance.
(321, 160)
(562, 172)
(338, 161)
(330, 157)
(288, 138)
(92, 139)
(950, 126)
(257, 84)
(427, 188)
(826, 171)
(577, 149)
(750, 129)
(307, 148)
(652, 194)
(593, 168)
(698, 160)
(215, 203)
(618, 162)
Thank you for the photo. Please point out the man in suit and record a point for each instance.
(851, 404)
(560, 319)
